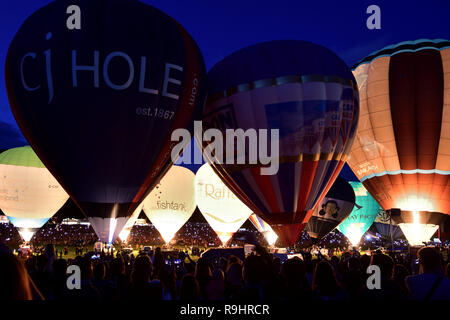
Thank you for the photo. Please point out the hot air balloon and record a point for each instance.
(224, 211)
(363, 215)
(419, 227)
(264, 228)
(123, 235)
(333, 209)
(309, 95)
(402, 150)
(29, 194)
(172, 202)
(99, 105)
(385, 226)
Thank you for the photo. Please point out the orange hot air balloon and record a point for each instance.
(402, 148)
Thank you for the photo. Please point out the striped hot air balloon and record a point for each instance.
(264, 228)
(402, 148)
(306, 92)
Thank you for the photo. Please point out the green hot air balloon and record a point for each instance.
(362, 216)
(29, 194)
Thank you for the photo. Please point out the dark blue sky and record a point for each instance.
(221, 27)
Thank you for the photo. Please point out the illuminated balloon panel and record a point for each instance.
(29, 194)
(224, 211)
(306, 92)
(335, 207)
(362, 216)
(417, 234)
(402, 148)
(99, 105)
(384, 229)
(419, 227)
(264, 228)
(172, 202)
(123, 235)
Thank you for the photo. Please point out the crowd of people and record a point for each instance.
(261, 276)
(198, 234)
(9, 234)
(64, 234)
(190, 234)
(336, 239)
(144, 234)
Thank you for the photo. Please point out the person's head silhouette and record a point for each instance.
(14, 284)
(429, 259)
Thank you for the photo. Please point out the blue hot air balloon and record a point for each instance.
(362, 216)
(306, 92)
(99, 104)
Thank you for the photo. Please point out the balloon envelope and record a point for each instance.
(402, 148)
(29, 194)
(125, 232)
(264, 228)
(99, 104)
(384, 229)
(224, 211)
(333, 209)
(172, 202)
(307, 93)
(418, 227)
(362, 216)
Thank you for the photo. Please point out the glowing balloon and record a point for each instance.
(402, 149)
(123, 235)
(264, 228)
(362, 216)
(306, 92)
(29, 194)
(172, 202)
(224, 211)
(333, 209)
(419, 227)
(99, 105)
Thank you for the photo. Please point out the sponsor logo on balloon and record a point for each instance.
(194, 91)
(155, 112)
(366, 167)
(172, 72)
(216, 193)
(358, 217)
(9, 198)
(171, 205)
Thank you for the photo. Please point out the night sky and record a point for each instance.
(221, 27)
